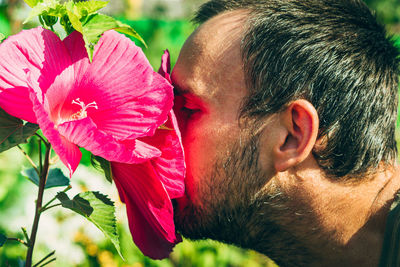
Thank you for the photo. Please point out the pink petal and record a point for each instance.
(14, 102)
(57, 94)
(149, 209)
(61, 105)
(170, 166)
(165, 68)
(42, 53)
(85, 133)
(132, 99)
(76, 48)
(69, 153)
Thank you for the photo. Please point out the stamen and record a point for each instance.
(82, 113)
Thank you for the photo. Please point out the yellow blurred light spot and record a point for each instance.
(91, 249)
(106, 259)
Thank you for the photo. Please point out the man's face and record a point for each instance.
(209, 81)
(231, 192)
(221, 158)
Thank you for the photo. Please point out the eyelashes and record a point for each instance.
(189, 104)
(190, 108)
(189, 112)
(186, 106)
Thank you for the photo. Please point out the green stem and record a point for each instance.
(49, 207)
(45, 207)
(29, 159)
(47, 262)
(45, 258)
(41, 137)
(40, 156)
(42, 183)
(52, 29)
(26, 235)
(18, 240)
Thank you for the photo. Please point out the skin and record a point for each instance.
(257, 185)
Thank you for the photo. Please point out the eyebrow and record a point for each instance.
(179, 91)
(182, 92)
(188, 93)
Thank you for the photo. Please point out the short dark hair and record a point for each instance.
(332, 53)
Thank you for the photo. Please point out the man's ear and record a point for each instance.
(298, 133)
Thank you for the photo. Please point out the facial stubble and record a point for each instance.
(240, 205)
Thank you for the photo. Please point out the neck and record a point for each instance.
(350, 217)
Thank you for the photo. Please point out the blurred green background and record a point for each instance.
(162, 24)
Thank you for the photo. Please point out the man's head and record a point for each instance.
(271, 90)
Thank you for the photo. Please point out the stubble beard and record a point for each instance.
(238, 208)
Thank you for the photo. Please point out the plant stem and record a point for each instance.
(40, 156)
(45, 258)
(41, 137)
(18, 240)
(26, 235)
(42, 183)
(47, 262)
(45, 207)
(49, 207)
(29, 159)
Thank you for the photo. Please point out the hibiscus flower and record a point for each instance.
(103, 106)
(147, 188)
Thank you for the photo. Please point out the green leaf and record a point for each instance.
(31, 3)
(13, 131)
(2, 37)
(47, 8)
(3, 240)
(78, 11)
(55, 178)
(97, 24)
(98, 209)
(75, 21)
(89, 7)
(105, 165)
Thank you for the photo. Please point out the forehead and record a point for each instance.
(210, 64)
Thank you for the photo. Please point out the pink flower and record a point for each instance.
(98, 106)
(147, 188)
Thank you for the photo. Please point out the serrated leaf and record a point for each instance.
(98, 209)
(89, 7)
(64, 199)
(78, 11)
(31, 3)
(97, 24)
(105, 165)
(3, 240)
(48, 7)
(75, 22)
(126, 29)
(13, 131)
(55, 178)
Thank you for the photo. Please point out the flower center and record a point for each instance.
(81, 114)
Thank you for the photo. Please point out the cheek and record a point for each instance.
(206, 141)
(199, 146)
(200, 141)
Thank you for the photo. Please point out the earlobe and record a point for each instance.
(300, 123)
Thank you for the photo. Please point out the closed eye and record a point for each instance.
(187, 105)
(190, 104)
(188, 111)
